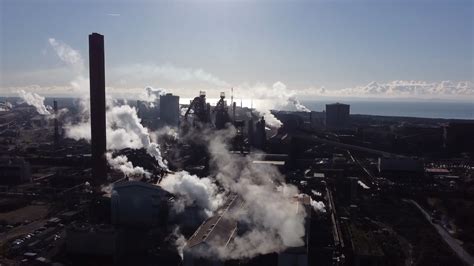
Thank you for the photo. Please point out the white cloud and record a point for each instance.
(402, 89)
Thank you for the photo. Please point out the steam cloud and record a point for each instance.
(193, 190)
(35, 100)
(124, 130)
(269, 208)
(122, 164)
(151, 95)
(276, 97)
(67, 54)
(5, 106)
(318, 206)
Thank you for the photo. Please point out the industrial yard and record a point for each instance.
(159, 182)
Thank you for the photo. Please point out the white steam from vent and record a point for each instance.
(67, 54)
(318, 206)
(193, 190)
(122, 164)
(269, 208)
(124, 130)
(34, 100)
(276, 97)
(5, 106)
(151, 95)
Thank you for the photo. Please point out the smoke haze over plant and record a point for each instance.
(269, 204)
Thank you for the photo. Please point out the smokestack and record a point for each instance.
(56, 126)
(97, 95)
(233, 111)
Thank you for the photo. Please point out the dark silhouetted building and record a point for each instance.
(222, 114)
(169, 110)
(200, 110)
(97, 95)
(458, 136)
(337, 116)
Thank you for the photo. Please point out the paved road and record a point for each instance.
(451, 241)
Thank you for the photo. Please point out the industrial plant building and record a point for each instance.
(337, 116)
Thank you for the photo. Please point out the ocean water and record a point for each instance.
(455, 110)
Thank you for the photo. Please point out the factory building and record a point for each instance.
(458, 136)
(169, 110)
(337, 116)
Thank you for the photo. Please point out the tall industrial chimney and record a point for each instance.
(97, 95)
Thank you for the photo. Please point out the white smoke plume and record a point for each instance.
(180, 241)
(5, 106)
(193, 190)
(164, 132)
(124, 130)
(151, 95)
(276, 97)
(122, 164)
(270, 209)
(363, 185)
(35, 100)
(316, 193)
(107, 189)
(275, 221)
(67, 54)
(75, 62)
(318, 206)
(269, 206)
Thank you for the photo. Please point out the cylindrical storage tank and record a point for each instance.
(137, 204)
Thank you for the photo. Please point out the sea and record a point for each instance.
(426, 109)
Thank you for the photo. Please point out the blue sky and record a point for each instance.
(304, 44)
